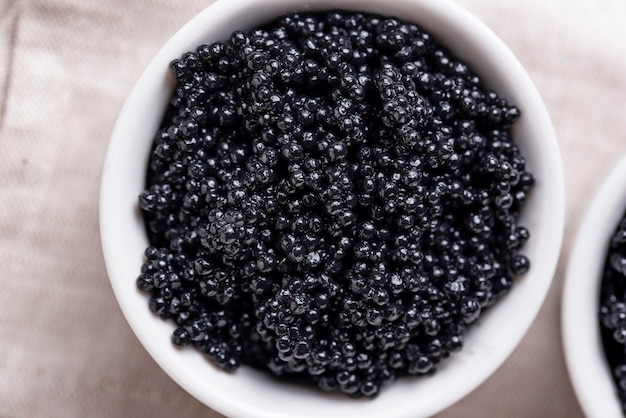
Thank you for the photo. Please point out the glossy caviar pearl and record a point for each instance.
(335, 196)
(612, 313)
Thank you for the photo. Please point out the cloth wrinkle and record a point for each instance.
(13, 12)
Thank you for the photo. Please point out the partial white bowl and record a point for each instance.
(249, 393)
(586, 363)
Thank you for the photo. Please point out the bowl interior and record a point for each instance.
(249, 393)
(586, 363)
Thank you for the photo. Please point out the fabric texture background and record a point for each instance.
(66, 67)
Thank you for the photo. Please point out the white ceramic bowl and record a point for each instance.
(249, 393)
(584, 355)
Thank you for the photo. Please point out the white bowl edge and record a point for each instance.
(584, 355)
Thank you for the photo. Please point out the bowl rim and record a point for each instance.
(440, 12)
(585, 361)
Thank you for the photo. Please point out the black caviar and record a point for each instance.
(332, 196)
(613, 308)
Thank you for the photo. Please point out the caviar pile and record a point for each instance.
(613, 308)
(331, 196)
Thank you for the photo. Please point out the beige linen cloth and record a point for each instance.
(65, 68)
